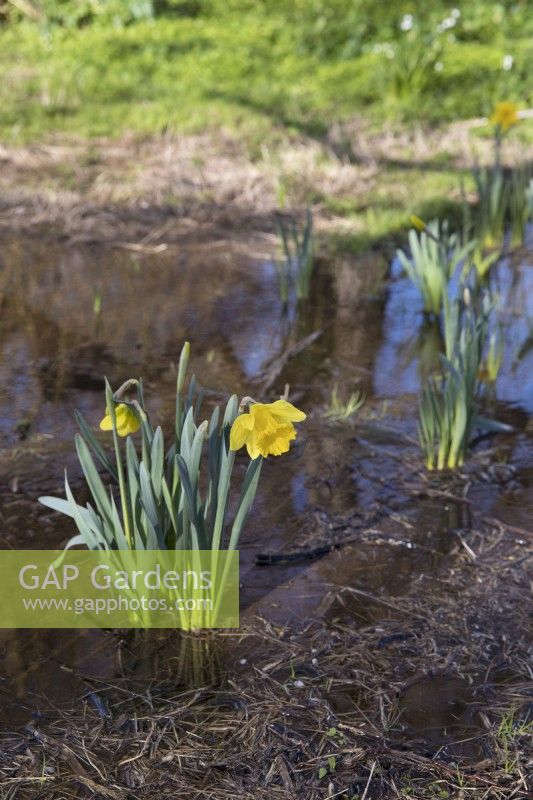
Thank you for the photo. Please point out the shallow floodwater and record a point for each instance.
(70, 315)
(402, 352)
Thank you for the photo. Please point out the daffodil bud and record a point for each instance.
(183, 365)
(417, 223)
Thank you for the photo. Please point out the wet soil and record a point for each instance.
(401, 543)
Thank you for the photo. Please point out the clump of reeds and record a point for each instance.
(296, 268)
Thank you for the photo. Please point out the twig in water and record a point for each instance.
(272, 373)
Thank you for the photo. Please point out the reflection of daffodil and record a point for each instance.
(127, 420)
(505, 115)
(266, 429)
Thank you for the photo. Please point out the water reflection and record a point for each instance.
(55, 348)
(411, 344)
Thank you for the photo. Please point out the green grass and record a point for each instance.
(259, 69)
(266, 71)
(384, 210)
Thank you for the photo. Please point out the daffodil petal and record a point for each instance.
(123, 429)
(263, 419)
(126, 420)
(121, 419)
(121, 411)
(248, 421)
(283, 411)
(132, 425)
(252, 445)
(240, 431)
(106, 424)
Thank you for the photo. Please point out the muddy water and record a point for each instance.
(71, 315)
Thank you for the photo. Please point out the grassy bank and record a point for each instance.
(345, 106)
(257, 68)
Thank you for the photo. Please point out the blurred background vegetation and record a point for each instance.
(259, 67)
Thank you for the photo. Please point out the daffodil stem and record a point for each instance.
(180, 385)
(245, 403)
(126, 388)
(122, 488)
(498, 137)
(122, 484)
(111, 404)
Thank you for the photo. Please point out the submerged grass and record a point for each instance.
(339, 410)
(295, 270)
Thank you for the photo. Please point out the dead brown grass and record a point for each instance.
(149, 192)
(308, 711)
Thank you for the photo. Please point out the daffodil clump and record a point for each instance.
(449, 402)
(448, 398)
(163, 503)
(451, 392)
(434, 254)
(490, 214)
(503, 201)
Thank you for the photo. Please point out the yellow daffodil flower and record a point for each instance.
(505, 115)
(127, 420)
(266, 429)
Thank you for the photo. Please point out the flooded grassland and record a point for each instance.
(384, 642)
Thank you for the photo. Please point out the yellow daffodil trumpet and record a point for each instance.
(266, 429)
